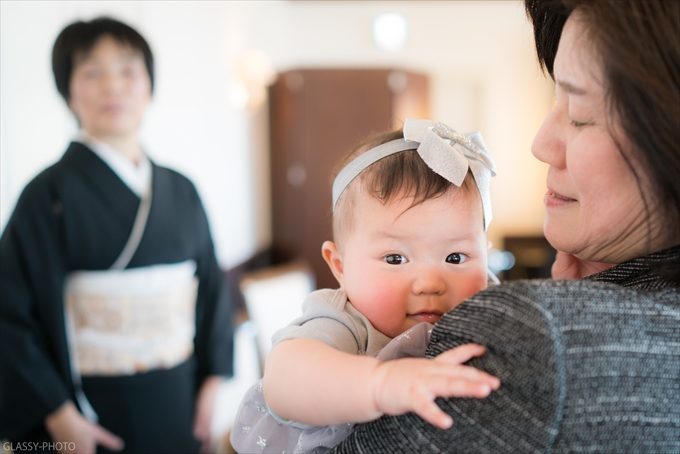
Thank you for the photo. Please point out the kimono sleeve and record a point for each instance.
(214, 312)
(32, 383)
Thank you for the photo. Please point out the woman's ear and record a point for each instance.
(69, 104)
(331, 255)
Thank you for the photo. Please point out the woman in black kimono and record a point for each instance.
(115, 332)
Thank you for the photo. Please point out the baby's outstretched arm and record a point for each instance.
(308, 381)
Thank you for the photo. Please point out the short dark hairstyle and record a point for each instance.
(639, 46)
(79, 38)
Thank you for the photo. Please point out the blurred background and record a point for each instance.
(256, 101)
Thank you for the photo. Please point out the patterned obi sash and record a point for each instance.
(124, 322)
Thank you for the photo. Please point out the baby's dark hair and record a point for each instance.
(402, 174)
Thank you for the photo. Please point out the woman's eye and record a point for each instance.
(395, 259)
(130, 70)
(456, 258)
(91, 73)
(578, 124)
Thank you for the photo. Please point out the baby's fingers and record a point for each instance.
(462, 354)
(458, 386)
(426, 408)
(445, 386)
(469, 373)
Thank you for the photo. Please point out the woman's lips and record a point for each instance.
(555, 199)
(429, 317)
(113, 108)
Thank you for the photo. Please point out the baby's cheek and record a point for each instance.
(385, 292)
(383, 301)
(383, 308)
(472, 285)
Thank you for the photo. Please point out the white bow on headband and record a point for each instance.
(448, 153)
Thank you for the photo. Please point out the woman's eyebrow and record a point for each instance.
(571, 88)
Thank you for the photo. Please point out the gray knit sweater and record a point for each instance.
(586, 366)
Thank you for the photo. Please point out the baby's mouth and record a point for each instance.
(429, 317)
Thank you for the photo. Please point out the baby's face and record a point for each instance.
(403, 266)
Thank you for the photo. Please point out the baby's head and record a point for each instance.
(409, 244)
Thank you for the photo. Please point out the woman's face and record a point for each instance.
(593, 202)
(110, 89)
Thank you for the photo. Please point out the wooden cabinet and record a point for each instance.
(316, 118)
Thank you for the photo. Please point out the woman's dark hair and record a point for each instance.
(79, 37)
(638, 43)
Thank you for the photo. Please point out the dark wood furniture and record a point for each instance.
(316, 117)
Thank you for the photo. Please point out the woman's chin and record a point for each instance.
(114, 130)
(560, 236)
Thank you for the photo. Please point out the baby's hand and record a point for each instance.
(411, 384)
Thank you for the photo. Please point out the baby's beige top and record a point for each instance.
(328, 316)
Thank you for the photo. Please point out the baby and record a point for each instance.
(410, 212)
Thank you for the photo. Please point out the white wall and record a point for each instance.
(479, 56)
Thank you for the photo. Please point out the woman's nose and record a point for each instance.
(112, 83)
(548, 145)
(429, 282)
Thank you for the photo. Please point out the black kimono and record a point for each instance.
(77, 215)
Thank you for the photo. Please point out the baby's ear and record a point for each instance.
(330, 253)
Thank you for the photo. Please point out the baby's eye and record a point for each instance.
(456, 258)
(395, 259)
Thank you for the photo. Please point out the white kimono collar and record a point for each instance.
(135, 177)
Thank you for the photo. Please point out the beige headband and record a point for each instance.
(448, 153)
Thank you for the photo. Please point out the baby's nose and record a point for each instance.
(429, 282)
